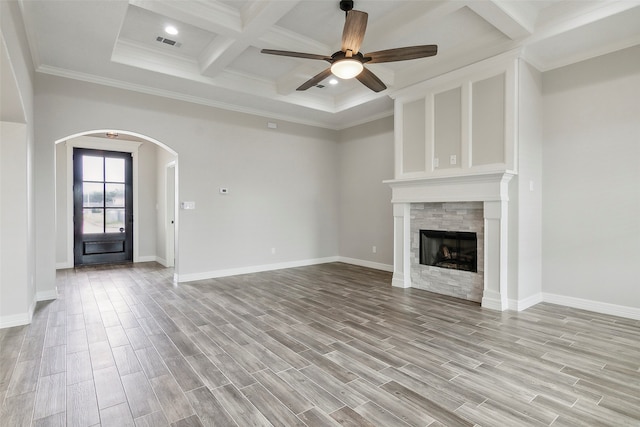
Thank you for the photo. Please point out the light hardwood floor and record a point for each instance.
(325, 345)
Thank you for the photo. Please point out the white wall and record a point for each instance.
(19, 285)
(282, 181)
(591, 180)
(16, 293)
(529, 182)
(366, 217)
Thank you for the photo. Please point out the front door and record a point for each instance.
(103, 207)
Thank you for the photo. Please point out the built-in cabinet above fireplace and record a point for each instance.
(459, 123)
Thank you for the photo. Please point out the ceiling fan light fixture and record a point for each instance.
(346, 68)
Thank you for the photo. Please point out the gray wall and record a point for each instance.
(283, 182)
(591, 179)
(366, 217)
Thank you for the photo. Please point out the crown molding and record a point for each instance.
(119, 84)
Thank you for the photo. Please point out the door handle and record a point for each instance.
(122, 229)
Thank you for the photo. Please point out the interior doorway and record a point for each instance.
(149, 162)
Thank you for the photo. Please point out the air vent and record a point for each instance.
(168, 41)
(320, 86)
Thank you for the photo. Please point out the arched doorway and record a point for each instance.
(154, 216)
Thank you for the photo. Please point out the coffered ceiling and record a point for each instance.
(216, 57)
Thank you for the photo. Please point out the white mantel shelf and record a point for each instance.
(478, 187)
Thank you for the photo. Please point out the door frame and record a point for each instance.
(170, 210)
(108, 145)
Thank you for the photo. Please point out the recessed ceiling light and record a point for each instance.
(170, 29)
(333, 81)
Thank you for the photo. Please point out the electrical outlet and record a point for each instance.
(374, 249)
(436, 162)
(273, 251)
(453, 159)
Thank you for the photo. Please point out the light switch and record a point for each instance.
(453, 159)
(188, 205)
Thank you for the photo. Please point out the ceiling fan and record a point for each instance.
(349, 62)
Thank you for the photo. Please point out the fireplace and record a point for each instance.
(457, 250)
(475, 203)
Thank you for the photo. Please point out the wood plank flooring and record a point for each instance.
(325, 345)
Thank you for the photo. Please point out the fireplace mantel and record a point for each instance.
(490, 188)
(479, 187)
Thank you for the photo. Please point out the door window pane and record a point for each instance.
(92, 221)
(114, 170)
(92, 194)
(115, 195)
(114, 220)
(92, 168)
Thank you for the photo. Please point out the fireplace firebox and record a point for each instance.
(456, 250)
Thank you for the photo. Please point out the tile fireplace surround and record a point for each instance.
(453, 216)
(491, 190)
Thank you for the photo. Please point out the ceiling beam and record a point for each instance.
(510, 18)
(257, 17)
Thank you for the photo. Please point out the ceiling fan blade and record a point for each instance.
(402, 53)
(353, 32)
(371, 81)
(315, 79)
(296, 54)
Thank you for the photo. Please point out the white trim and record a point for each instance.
(147, 258)
(181, 278)
(47, 295)
(365, 263)
(15, 320)
(591, 305)
(18, 319)
(523, 304)
(64, 265)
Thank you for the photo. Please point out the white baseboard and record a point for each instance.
(63, 265)
(368, 264)
(590, 305)
(163, 262)
(47, 295)
(523, 304)
(15, 320)
(147, 258)
(252, 269)
(18, 319)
